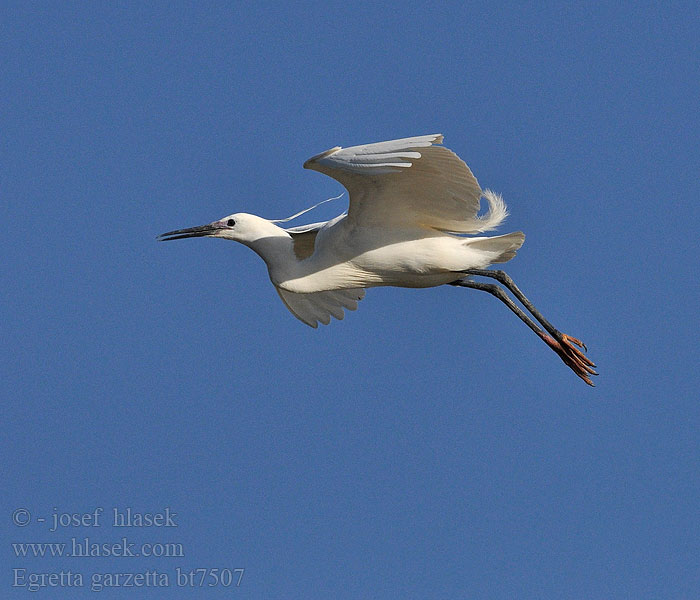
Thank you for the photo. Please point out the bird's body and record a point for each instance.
(412, 222)
(346, 256)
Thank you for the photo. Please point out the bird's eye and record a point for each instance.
(230, 222)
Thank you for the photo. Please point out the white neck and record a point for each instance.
(274, 245)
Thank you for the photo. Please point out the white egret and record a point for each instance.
(412, 216)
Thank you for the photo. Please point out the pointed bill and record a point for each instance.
(201, 231)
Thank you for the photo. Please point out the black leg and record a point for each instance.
(494, 290)
(562, 344)
(505, 279)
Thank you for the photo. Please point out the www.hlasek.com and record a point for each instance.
(190, 578)
(84, 547)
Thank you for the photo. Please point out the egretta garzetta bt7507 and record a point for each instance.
(411, 222)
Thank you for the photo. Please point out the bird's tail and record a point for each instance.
(495, 215)
(498, 249)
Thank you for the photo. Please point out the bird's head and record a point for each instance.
(239, 227)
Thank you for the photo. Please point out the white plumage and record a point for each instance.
(412, 221)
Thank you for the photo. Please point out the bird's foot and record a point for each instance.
(568, 349)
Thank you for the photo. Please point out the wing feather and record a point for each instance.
(320, 306)
(408, 182)
(304, 243)
(304, 239)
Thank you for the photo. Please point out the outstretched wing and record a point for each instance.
(408, 182)
(319, 306)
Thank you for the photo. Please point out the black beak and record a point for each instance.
(201, 231)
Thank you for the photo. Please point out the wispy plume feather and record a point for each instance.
(307, 209)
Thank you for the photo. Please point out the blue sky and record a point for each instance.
(428, 446)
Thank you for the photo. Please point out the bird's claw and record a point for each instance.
(576, 341)
(568, 350)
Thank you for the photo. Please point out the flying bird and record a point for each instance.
(413, 221)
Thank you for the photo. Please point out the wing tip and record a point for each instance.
(309, 164)
(433, 138)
